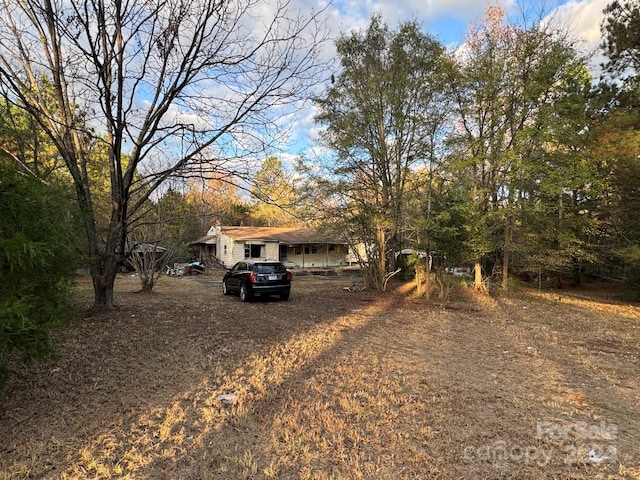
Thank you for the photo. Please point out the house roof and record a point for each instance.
(208, 239)
(279, 234)
(144, 248)
(289, 236)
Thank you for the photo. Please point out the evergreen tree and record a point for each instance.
(615, 138)
(37, 257)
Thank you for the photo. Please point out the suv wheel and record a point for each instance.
(245, 295)
(225, 289)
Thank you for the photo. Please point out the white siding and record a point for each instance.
(272, 251)
(235, 250)
(225, 250)
(229, 251)
(318, 255)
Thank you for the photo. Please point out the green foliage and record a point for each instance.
(621, 32)
(615, 141)
(37, 264)
(631, 257)
(521, 98)
(382, 115)
(23, 140)
(276, 199)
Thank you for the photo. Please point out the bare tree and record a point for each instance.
(170, 87)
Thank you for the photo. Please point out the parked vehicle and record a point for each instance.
(251, 278)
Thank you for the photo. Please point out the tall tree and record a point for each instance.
(275, 195)
(615, 137)
(177, 85)
(510, 79)
(380, 115)
(621, 39)
(217, 199)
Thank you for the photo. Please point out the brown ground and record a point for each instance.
(332, 385)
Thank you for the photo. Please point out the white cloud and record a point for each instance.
(448, 20)
(346, 15)
(583, 18)
(466, 10)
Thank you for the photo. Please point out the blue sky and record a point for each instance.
(448, 21)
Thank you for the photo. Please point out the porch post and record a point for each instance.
(326, 262)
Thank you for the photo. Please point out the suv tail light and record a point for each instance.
(252, 277)
(288, 276)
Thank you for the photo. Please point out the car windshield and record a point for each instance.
(270, 268)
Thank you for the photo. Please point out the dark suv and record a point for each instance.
(253, 278)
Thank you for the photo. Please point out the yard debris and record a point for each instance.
(180, 269)
(228, 398)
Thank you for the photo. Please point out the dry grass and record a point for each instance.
(331, 385)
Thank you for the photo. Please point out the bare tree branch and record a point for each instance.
(168, 86)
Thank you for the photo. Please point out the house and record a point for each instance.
(296, 247)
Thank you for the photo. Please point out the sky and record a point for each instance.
(447, 21)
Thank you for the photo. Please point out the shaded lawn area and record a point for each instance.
(331, 385)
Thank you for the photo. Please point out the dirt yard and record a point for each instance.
(189, 384)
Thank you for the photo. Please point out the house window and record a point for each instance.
(307, 249)
(252, 251)
(310, 249)
(332, 247)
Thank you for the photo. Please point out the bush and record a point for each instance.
(632, 285)
(37, 265)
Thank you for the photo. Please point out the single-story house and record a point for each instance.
(295, 247)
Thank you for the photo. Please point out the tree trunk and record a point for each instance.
(103, 272)
(382, 261)
(576, 276)
(506, 253)
(105, 263)
(505, 269)
(478, 275)
(427, 281)
(103, 288)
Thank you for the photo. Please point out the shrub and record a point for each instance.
(37, 265)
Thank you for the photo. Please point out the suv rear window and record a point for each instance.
(270, 268)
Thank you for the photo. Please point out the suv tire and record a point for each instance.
(245, 293)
